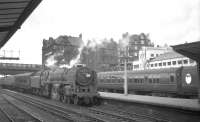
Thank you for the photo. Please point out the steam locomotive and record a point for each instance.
(77, 85)
(171, 82)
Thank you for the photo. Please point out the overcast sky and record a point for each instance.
(167, 21)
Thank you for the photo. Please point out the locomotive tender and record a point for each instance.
(77, 85)
(173, 82)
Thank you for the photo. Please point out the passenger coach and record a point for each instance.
(182, 81)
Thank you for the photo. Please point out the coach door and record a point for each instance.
(179, 79)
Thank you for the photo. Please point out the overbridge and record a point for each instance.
(13, 14)
(14, 68)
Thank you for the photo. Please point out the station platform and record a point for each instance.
(185, 104)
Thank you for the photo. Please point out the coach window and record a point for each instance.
(135, 80)
(129, 80)
(109, 80)
(155, 64)
(145, 78)
(174, 62)
(117, 80)
(132, 80)
(120, 80)
(169, 63)
(105, 80)
(142, 80)
(157, 80)
(151, 65)
(164, 63)
(150, 80)
(102, 80)
(154, 80)
(185, 61)
(171, 78)
(160, 64)
(139, 80)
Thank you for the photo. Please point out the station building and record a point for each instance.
(170, 59)
(160, 57)
(133, 44)
(147, 54)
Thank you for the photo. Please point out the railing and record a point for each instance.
(24, 66)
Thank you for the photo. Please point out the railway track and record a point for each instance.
(82, 114)
(12, 113)
(69, 114)
(99, 114)
(130, 114)
(4, 117)
(113, 116)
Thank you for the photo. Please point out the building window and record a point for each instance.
(185, 61)
(142, 42)
(164, 63)
(180, 62)
(156, 55)
(174, 62)
(136, 48)
(169, 63)
(152, 55)
(135, 54)
(136, 66)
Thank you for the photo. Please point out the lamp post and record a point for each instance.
(125, 73)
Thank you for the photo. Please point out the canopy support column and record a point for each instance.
(198, 70)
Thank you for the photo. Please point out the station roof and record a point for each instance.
(12, 15)
(191, 50)
(168, 55)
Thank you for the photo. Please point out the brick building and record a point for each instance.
(133, 43)
(64, 49)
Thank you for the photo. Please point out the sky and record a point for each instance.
(169, 22)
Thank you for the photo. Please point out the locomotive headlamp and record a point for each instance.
(87, 75)
(188, 78)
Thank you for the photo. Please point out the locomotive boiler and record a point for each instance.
(77, 85)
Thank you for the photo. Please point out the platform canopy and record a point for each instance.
(191, 50)
(12, 15)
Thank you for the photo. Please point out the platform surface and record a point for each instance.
(186, 104)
